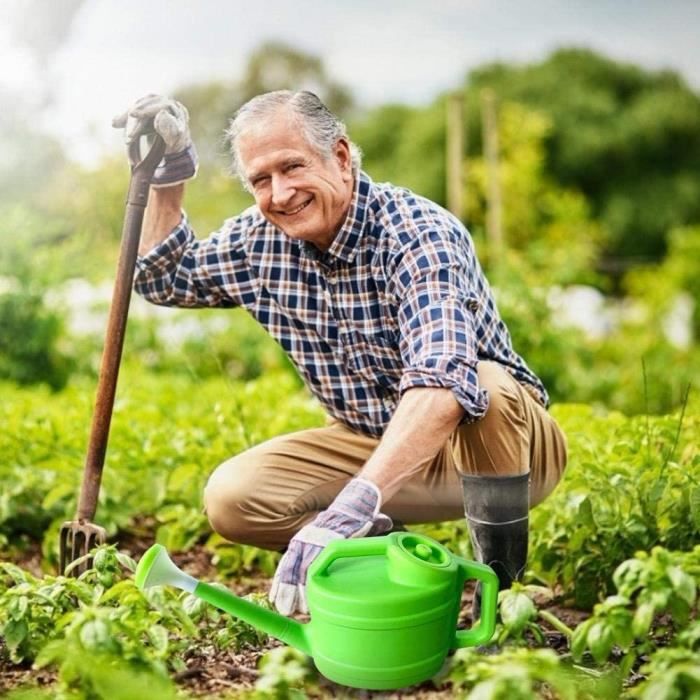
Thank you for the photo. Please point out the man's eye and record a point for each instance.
(259, 181)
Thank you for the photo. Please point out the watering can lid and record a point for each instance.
(400, 575)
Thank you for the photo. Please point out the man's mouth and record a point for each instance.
(298, 209)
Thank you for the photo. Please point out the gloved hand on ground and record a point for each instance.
(353, 513)
(170, 120)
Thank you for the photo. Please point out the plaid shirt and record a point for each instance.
(398, 301)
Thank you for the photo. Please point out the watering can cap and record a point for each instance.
(424, 550)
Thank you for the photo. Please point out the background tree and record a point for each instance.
(405, 145)
(627, 138)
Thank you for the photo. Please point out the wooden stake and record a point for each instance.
(494, 217)
(455, 154)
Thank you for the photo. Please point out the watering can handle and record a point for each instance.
(482, 632)
(340, 549)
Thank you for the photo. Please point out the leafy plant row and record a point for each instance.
(142, 636)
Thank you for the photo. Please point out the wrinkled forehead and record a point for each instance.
(272, 137)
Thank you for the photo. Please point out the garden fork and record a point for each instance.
(79, 536)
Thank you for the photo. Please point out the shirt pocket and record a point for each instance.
(373, 358)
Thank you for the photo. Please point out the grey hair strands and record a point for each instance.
(320, 127)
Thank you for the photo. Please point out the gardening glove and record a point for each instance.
(353, 513)
(169, 119)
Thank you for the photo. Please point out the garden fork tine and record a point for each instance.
(77, 537)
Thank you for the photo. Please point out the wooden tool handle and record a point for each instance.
(141, 173)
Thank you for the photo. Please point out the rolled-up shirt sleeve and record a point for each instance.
(184, 271)
(436, 322)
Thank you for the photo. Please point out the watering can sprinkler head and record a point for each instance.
(156, 568)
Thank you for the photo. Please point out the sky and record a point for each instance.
(407, 51)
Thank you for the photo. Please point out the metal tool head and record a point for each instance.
(77, 539)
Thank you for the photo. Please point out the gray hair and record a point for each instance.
(320, 127)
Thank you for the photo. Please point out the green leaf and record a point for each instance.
(106, 578)
(579, 639)
(600, 641)
(613, 602)
(584, 516)
(104, 559)
(643, 617)
(516, 611)
(18, 607)
(95, 636)
(683, 584)
(653, 496)
(15, 632)
(623, 634)
(194, 606)
(18, 575)
(158, 636)
(118, 590)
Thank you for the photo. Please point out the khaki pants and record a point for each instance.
(265, 495)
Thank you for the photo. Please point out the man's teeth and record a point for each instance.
(298, 209)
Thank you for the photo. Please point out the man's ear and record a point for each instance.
(343, 156)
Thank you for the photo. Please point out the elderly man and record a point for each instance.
(378, 297)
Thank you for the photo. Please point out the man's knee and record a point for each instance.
(227, 497)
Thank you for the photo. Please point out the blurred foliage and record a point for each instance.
(659, 285)
(546, 224)
(29, 352)
(29, 159)
(634, 368)
(172, 427)
(627, 138)
(208, 343)
(405, 146)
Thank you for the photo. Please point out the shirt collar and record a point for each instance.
(345, 243)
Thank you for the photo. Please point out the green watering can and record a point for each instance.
(383, 609)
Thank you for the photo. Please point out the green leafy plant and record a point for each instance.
(648, 585)
(514, 674)
(31, 607)
(284, 672)
(673, 672)
(228, 632)
(624, 492)
(519, 614)
(657, 583)
(231, 558)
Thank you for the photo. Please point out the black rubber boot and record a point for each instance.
(497, 516)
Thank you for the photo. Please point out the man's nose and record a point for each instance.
(282, 192)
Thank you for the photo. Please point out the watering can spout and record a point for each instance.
(157, 569)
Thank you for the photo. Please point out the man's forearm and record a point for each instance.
(162, 215)
(424, 420)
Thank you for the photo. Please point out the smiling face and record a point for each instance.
(304, 194)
